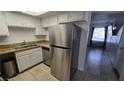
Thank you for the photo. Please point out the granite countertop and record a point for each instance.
(11, 49)
(44, 44)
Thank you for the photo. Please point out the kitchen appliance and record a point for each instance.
(46, 56)
(0, 65)
(9, 68)
(64, 50)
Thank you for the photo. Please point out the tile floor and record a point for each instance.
(40, 72)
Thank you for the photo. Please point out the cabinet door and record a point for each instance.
(14, 19)
(63, 18)
(39, 54)
(75, 16)
(29, 58)
(36, 57)
(40, 31)
(49, 21)
(28, 21)
(45, 22)
(3, 25)
(53, 21)
(23, 62)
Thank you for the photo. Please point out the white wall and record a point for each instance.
(83, 44)
(17, 35)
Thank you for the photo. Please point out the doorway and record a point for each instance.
(98, 37)
(98, 66)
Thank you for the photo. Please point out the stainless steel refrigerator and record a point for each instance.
(64, 50)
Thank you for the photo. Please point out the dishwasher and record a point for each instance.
(46, 56)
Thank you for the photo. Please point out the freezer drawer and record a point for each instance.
(60, 63)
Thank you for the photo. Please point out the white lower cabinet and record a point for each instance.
(28, 58)
(23, 62)
(36, 57)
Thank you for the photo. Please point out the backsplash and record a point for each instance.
(14, 45)
(18, 35)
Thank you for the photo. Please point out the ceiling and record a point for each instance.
(105, 18)
(40, 14)
(34, 13)
(99, 18)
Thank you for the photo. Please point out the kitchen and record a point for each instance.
(61, 46)
(25, 44)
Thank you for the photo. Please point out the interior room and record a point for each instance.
(105, 38)
(61, 46)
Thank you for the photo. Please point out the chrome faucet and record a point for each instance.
(24, 43)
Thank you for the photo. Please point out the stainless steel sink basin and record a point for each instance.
(25, 47)
(18, 47)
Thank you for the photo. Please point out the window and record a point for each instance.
(99, 34)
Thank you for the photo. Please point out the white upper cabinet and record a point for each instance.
(14, 19)
(19, 20)
(28, 21)
(39, 29)
(65, 17)
(3, 25)
(49, 21)
(73, 16)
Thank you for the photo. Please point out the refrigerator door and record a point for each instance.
(60, 63)
(61, 35)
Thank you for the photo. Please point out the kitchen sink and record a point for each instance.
(25, 47)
